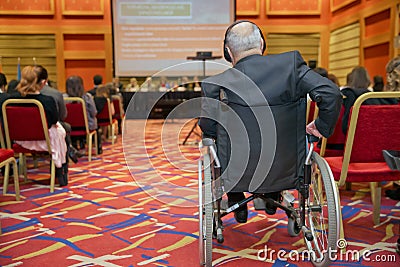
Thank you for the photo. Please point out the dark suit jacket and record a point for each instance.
(263, 124)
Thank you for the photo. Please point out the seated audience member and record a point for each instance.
(115, 94)
(321, 71)
(196, 84)
(164, 84)
(12, 88)
(244, 47)
(3, 82)
(112, 89)
(62, 110)
(378, 83)
(358, 85)
(97, 81)
(333, 78)
(186, 85)
(54, 93)
(117, 84)
(102, 94)
(75, 88)
(29, 87)
(148, 85)
(3, 96)
(348, 80)
(133, 85)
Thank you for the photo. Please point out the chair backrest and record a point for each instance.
(77, 114)
(25, 120)
(105, 113)
(119, 109)
(372, 128)
(377, 129)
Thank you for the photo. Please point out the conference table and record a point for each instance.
(158, 105)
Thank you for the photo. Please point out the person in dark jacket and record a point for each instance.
(255, 84)
(97, 81)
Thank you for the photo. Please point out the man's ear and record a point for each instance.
(42, 83)
(262, 46)
(230, 54)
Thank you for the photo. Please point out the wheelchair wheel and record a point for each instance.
(205, 214)
(322, 213)
(293, 227)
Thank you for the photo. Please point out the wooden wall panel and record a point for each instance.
(307, 44)
(42, 47)
(344, 51)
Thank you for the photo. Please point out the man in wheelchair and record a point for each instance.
(255, 111)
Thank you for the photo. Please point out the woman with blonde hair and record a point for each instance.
(29, 87)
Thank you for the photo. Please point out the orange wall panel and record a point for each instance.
(89, 42)
(82, 6)
(377, 23)
(27, 7)
(291, 5)
(86, 69)
(375, 59)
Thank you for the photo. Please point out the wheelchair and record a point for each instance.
(315, 214)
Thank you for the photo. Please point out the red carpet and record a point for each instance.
(146, 214)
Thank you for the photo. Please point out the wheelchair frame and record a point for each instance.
(321, 240)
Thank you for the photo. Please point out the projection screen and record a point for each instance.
(150, 36)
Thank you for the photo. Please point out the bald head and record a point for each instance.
(244, 39)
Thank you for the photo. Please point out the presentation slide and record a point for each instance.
(156, 36)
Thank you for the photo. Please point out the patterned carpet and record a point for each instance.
(136, 205)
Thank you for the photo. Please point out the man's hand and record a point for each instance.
(312, 129)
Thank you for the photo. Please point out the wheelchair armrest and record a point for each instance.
(208, 142)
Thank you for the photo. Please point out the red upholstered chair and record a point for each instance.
(372, 128)
(119, 111)
(77, 118)
(338, 138)
(105, 118)
(7, 158)
(25, 120)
